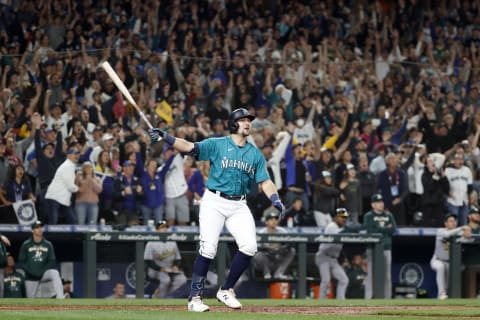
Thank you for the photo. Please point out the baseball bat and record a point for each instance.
(121, 86)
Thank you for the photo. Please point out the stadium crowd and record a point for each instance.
(351, 98)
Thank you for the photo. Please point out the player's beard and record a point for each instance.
(244, 132)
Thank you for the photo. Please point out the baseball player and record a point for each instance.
(441, 256)
(327, 255)
(38, 259)
(273, 255)
(162, 259)
(380, 221)
(3, 259)
(14, 281)
(234, 165)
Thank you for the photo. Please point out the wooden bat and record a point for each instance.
(121, 86)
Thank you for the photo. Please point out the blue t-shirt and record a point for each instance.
(232, 168)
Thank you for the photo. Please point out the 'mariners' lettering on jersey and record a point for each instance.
(242, 165)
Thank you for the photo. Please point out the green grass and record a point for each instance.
(175, 309)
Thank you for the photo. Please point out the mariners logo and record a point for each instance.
(25, 212)
(131, 276)
(411, 274)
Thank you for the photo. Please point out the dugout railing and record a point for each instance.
(300, 240)
(455, 272)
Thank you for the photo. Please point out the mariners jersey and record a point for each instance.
(232, 168)
(14, 285)
(378, 223)
(162, 253)
(36, 258)
(459, 179)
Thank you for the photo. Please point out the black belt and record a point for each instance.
(228, 197)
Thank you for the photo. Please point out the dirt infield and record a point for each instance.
(318, 310)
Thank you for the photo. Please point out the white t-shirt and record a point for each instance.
(175, 183)
(305, 133)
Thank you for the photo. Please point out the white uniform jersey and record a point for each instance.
(459, 179)
(271, 245)
(331, 249)
(162, 253)
(442, 244)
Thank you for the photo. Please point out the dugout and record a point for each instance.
(411, 253)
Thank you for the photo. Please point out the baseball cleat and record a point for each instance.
(197, 305)
(443, 296)
(228, 298)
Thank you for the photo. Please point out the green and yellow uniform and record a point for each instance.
(14, 285)
(36, 258)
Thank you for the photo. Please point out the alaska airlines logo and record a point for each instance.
(101, 237)
(242, 165)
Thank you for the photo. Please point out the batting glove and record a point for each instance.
(277, 204)
(155, 134)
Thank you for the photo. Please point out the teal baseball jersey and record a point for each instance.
(233, 169)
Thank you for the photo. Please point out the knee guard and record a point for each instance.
(207, 250)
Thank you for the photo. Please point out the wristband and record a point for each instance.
(274, 197)
(169, 139)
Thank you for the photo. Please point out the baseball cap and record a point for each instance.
(326, 174)
(66, 281)
(107, 136)
(55, 105)
(350, 166)
(377, 197)
(37, 224)
(49, 129)
(448, 215)
(73, 151)
(48, 144)
(127, 163)
(271, 215)
(473, 210)
(341, 212)
(161, 223)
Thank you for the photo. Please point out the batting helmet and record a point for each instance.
(236, 115)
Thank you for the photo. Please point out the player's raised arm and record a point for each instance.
(182, 145)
